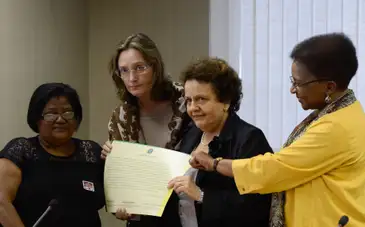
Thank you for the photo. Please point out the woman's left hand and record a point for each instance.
(186, 185)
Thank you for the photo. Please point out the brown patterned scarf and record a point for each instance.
(277, 216)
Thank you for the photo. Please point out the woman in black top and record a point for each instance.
(52, 166)
(213, 93)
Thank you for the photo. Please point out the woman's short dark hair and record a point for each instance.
(224, 79)
(46, 92)
(162, 87)
(328, 56)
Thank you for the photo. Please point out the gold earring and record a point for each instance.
(225, 109)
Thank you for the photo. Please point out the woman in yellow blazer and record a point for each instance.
(319, 174)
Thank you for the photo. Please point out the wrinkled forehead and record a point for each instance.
(130, 57)
(58, 103)
(194, 88)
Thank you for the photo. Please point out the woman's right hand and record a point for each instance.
(107, 148)
(123, 215)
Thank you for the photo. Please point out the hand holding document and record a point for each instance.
(136, 177)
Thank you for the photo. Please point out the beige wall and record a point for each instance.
(179, 27)
(40, 43)
(72, 41)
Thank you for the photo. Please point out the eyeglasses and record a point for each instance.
(138, 70)
(297, 85)
(51, 117)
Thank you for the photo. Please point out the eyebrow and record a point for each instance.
(134, 63)
(197, 96)
(68, 107)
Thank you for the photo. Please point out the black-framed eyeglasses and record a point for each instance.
(51, 117)
(296, 84)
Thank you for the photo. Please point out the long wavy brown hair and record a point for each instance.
(162, 88)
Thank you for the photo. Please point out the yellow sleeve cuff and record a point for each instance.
(237, 169)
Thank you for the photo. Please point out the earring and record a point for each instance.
(328, 99)
(225, 109)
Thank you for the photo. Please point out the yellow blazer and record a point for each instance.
(322, 172)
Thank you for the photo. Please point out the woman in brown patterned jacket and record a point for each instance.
(151, 103)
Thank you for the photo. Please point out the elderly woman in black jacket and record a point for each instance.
(213, 94)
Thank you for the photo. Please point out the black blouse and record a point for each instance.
(222, 204)
(76, 182)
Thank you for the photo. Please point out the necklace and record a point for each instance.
(202, 140)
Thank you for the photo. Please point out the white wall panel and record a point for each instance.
(275, 71)
(257, 36)
(290, 37)
(261, 64)
(247, 48)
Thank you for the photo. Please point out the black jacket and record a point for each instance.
(222, 204)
